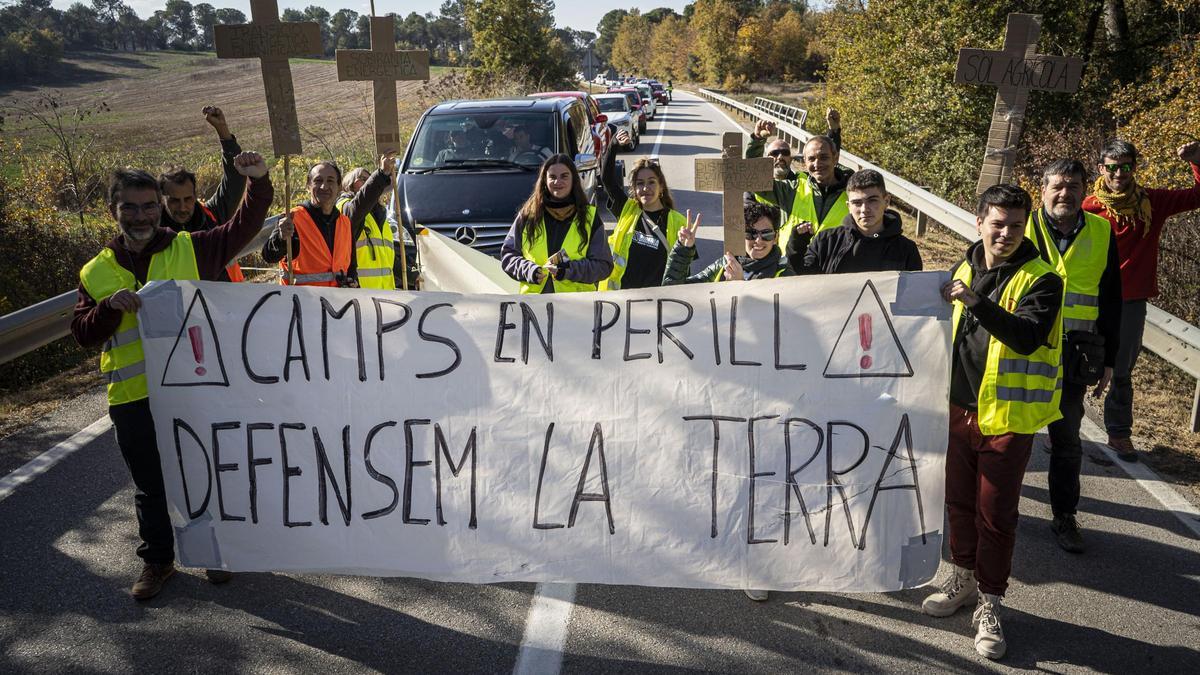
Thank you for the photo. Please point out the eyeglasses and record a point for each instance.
(777, 152)
(765, 235)
(1124, 166)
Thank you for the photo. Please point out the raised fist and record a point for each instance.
(250, 164)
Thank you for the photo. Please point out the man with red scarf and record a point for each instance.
(1136, 215)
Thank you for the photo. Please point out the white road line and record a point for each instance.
(42, 463)
(546, 630)
(1171, 500)
(662, 126)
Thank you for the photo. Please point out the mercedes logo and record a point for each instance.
(465, 235)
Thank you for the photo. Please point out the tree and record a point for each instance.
(512, 39)
(631, 49)
(227, 16)
(81, 27)
(292, 15)
(790, 58)
(413, 31)
(716, 24)
(606, 32)
(131, 29)
(669, 43)
(656, 15)
(320, 16)
(341, 29)
(206, 17)
(177, 16)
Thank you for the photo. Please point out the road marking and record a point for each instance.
(42, 463)
(662, 126)
(546, 630)
(1171, 500)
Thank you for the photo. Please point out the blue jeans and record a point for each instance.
(1118, 405)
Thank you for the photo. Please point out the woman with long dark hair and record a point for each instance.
(648, 225)
(556, 243)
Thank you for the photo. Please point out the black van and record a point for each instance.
(471, 164)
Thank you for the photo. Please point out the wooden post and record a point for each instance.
(732, 175)
(287, 196)
(1015, 71)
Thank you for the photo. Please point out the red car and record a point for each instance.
(602, 134)
(635, 101)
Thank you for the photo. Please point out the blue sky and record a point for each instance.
(573, 14)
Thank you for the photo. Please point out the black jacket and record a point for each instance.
(845, 249)
(1024, 330)
(679, 263)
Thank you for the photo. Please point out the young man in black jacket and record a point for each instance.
(870, 239)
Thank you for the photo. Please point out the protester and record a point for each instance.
(1004, 387)
(321, 232)
(557, 217)
(1136, 215)
(183, 212)
(763, 259)
(1083, 249)
(106, 317)
(815, 199)
(374, 249)
(869, 239)
(647, 225)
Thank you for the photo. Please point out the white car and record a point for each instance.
(648, 94)
(620, 117)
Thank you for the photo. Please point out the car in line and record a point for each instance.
(621, 117)
(660, 92)
(602, 134)
(470, 164)
(648, 95)
(636, 102)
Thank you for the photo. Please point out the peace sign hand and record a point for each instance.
(733, 268)
(687, 234)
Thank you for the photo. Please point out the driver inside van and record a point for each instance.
(524, 150)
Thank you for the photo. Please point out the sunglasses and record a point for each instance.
(765, 235)
(778, 152)
(1113, 168)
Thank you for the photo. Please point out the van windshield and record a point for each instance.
(482, 140)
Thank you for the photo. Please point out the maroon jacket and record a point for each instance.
(96, 322)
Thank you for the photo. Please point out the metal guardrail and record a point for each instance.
(1172, 338)
(38, 325)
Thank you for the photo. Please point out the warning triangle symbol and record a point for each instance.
(195, 359)
(868, 345)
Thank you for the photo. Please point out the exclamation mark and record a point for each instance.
(198, 348)
(864, 339)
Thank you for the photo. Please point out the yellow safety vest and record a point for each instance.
(122, 362)
(720, 274)
(575, 246)
(1020, 393)
(804, 209)
(374, 252)
(1081, 267)
(622, 239)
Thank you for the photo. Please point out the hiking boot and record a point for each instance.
(1124, 448)
(757, 596)
(957, 590)
(1066, 530)
(218, 576)
(151, 580)
(989, 636)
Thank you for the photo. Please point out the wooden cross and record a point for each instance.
(273, 42)
(1016, 70)
(382, 65)
(731, 175)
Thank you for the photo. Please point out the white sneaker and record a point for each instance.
(989, 636)
(757, 596)
(958, 589)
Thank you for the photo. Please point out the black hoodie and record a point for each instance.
(845, 249)
(1024, 330)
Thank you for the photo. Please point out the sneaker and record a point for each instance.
(957, 590)
(1066, 530)
(151, 580)
(989, 636)
(218, 576)
(1124, 448)
(757, 596)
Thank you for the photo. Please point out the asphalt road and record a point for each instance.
(1128, 605)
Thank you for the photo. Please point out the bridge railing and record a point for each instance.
(1167, 335)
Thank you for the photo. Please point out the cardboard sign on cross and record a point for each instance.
(731, 175)
(272, 42)
(1015, 71)
(383, 66)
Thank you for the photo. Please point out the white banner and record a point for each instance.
(784, 434)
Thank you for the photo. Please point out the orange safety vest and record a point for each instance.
(316, 265)
(234, 270)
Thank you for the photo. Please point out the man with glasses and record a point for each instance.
(869, 239)
(106, 317)
(1136, 215)
(812, 200)
(763, 259)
